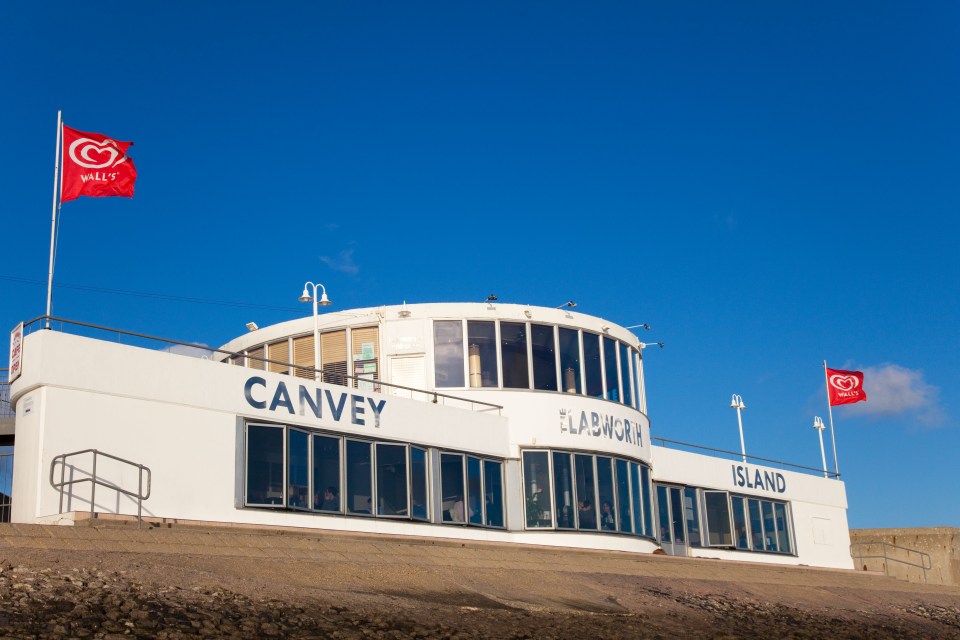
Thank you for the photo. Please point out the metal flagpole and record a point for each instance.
(53, 215)
(833, 438)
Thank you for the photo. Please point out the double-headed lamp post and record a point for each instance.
(819, 426)
(736, 402)
(324, 301)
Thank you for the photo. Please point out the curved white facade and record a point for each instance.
(481, 421)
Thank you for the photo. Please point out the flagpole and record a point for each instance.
(53, 215)
(833, 438)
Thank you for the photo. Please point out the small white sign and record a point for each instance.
(16, 352)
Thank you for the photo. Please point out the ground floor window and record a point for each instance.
(586, 492)
(292, 468)
(747, 523)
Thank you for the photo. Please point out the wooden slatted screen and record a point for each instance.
(279, 351)
(369, 338)
(255, 353)
(303, 356)
(333, 357)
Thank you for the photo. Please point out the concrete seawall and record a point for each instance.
(942, 544)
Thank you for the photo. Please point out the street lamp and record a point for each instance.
(324, 301)
(736, 402)
(819, 426)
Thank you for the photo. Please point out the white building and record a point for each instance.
(484, 421)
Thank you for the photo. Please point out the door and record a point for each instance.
(670, 514)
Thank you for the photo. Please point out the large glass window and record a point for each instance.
(586, 492)
(264, 465)
(326, 473)
(448, 353)
(663, 513)
(563, 490)
(544, 352)
(717, 518)
(452, 487)
(359, 478)
(611, 371)
(474, 491)
(625, 374)
(493, 492)
(418, 484)
(637, 365)
(783, 535)
(513, 352)
(482, 349)
(638, 506)
(536, 480)
(691, 512)
(298, 469)
(769, 529)
(591, 364)
(756, 524)
(647, 503)
(608, 517)
(739, 523)
(391, 479)
(623, 496)
(570, 360)
(676, 515)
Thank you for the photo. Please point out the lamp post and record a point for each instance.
(819, 426)
(324, 301)
(736, 402)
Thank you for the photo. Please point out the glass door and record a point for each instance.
(670, 517)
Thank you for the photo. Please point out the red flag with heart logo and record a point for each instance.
(96, 166)
(845, 387)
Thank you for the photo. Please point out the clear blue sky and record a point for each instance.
(768, 184)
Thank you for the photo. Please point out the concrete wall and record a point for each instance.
(941, 543)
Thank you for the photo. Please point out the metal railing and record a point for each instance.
(95, 481)
(6, 485)
(925, 563)
(47, 322)
(6, 411)
(737, 455)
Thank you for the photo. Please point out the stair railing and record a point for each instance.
(139, 495)
(925, 564)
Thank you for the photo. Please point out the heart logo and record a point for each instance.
(91, 154)
(844, 383)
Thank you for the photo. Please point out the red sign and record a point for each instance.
(95, 165)
(16, 352)
(845, 387)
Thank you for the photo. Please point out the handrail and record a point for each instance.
(434, 394)
(926, 563)
(139, 495)
(738, 454)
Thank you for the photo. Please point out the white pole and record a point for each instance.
(836, 466)
(53, 221)
(818, 425)
(743, 449)
(316, 336)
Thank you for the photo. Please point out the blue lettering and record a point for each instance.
(248, 392)
(355, 410)
(337, 409)
(618, 424)
(768, 482)
(781, 483)
(595, 421)
(757, 480)
(628, 433)
(377, 410)
(281, 398)
(608, 426)
(584, 426)
(315, 405)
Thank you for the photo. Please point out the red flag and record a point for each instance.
(845, 387)
(95, 165)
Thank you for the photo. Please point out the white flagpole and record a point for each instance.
(53, 215)
(833, 438)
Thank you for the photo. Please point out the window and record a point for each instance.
(570, 360)
(359, 478)
(783, 536)
(475, 498)
(623, 496)
(326, 473)
(756, 525)
(691, 512)
(298, 469)
(608, 511)
(676, 515)
(536, 479)
(611, 371)
(591, 364)
(303, 357)
(452, 487)
(638, 380)
(418, 483)
(513, 352)
(647, 504)
(638, 512)
(663, 513)
(482, 341)
(255, 358)
(391, 479)
(769, 529)
(264, 485)
(333, 357)
(280, 353)
(717, 517)
(493, 493)
(448, 353)
(563, 490)
(586, 492)
(544, 352)
(366, 357)
(625, 375)
(739, 523)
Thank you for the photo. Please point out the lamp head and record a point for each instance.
(324, 300)
(305, 296)
(736, 402)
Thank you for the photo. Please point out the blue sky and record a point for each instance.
(767, 184)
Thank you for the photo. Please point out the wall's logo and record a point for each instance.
(91, 154)
(844, 382)
(744, 476)
(600, 426)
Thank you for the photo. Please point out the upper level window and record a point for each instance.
(570, 360)
(482, 350)
(611, 371)
(544, 352)
(513, 349)
(591, 364)
(448, 353)
(625, 375)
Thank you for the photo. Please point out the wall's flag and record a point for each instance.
(95, 165)
(845, 387)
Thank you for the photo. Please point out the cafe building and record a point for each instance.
(473, 421)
